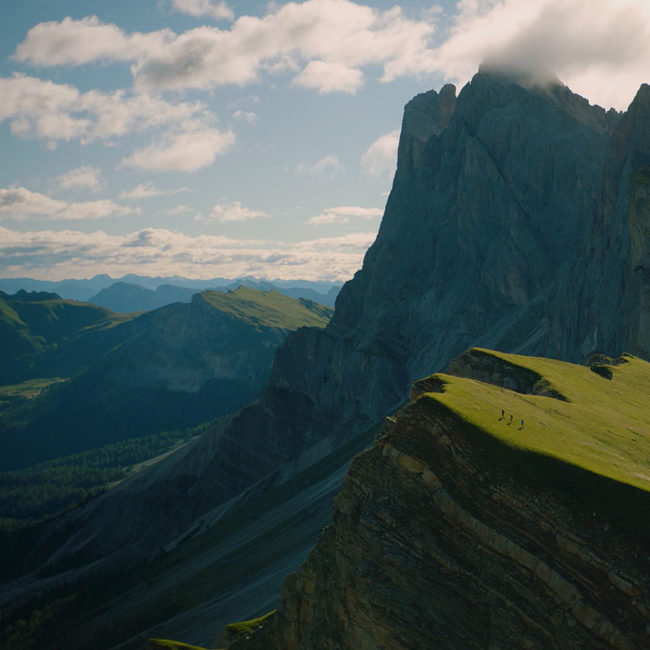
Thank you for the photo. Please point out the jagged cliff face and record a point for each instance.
(436, 542)
(617, 251)
(518, 220)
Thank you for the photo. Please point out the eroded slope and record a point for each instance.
(458, 529)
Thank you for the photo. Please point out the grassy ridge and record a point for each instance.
(268, 308)
(602, 428)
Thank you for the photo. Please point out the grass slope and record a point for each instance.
(33, 325)
(268, 308)
(603, 427)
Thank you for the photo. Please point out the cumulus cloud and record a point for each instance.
(333, 39)
(247, 116)
(19, 203)
(331, 44)
(234, 211)
(343, 214)
(85, 177)
(381, 156)
(217, 10)
(68, 253)
(185, 152)
(582, 41)
(330, 77)
(148, 190)
(75, 42)
(51, 111)
(328, 166)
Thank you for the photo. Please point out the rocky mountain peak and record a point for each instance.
(426, 115)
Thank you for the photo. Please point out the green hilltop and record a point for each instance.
(268, 308)
(33, 325)
(598, 418)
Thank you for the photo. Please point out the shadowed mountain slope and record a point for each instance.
(167, 369)
(43, 335)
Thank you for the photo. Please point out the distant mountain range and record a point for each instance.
(131, 375)
(143, 293)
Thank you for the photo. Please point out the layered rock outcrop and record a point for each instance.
(438, 543)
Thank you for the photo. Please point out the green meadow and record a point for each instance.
(602, 425)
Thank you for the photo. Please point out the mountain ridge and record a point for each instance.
(458, 532)
(170, 368)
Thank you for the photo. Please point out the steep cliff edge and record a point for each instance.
(461, 529)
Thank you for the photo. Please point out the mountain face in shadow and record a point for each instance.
(518, 221)
(43, 335)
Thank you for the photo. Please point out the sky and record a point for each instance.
(230, 138)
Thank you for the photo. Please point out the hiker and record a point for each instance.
(522, 423)
(503, 413)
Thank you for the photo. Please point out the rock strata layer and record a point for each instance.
(432, 546)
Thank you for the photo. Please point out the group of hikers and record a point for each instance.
(503, 417)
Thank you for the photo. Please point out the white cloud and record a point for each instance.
(147, 190)
(247, 116)
(85, 177)
(68, 253)
(217, 10)
(328, 166)
(381, 156)
(184, 152)
(234, 211)
(334, 39)
(94, 210)
(179, 210)
(582, 42)
(75, 42)
(343, 214)
(51, 111)
(19, 203)
(331, 43)
(330, 77)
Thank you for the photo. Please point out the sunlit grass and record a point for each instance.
(269, 308)
(241, 628)
(603, 427)
(30, 388)
(172, 645)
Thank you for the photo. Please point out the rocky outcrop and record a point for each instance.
(435, 545)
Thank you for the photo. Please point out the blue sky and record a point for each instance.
(207, 138)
